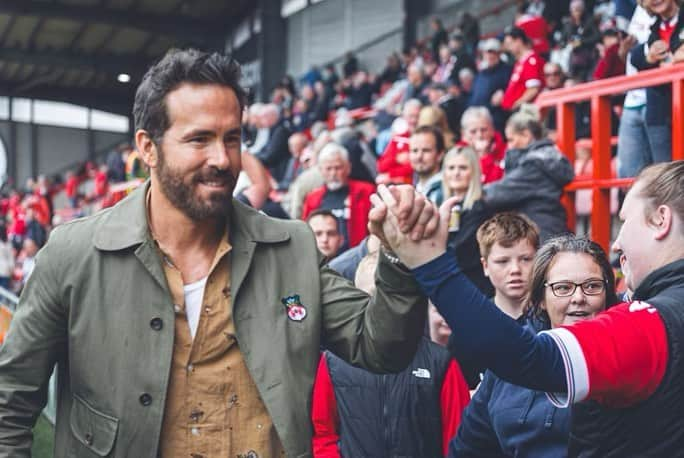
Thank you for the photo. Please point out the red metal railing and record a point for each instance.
(599, 93)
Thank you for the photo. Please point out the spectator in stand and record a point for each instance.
(466, 77)
(356, 413)
(391, 73)
(434, 116)
(321, 107)
(347, 263)
(45, 192)
(527, 79)
(426, 151)
(611, 62)
(536, 173)
(393, 165)
(453, 107)
(447, 63)
(439, 37)
(458, 48)
(493, 76)
(34, 230)
(348, 200)
(257, 132)
(296, 145)
(359, 91)
(101, 182)
(135, 168)
(461, 180)
(28, 254)
(71, 187)
(477, 131)
(470, 29)
(634, 145)
(6, 259)
(309, 179)
(572, 281)
(275, 154)
(664, 46)
(350, 66)
(330, 77)
(554, 78)
(361, 158)
(326, 230)
(301, 116)
(418, 83)
(311, 76)
(116, 167)
(581, 34)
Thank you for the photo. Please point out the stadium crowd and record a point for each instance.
(453, 116)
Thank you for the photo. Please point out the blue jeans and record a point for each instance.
(634, 149)
(640, 144)
(660, 139)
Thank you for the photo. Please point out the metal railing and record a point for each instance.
(599, 93)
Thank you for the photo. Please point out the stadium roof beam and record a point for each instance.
(111, 63)
(193, 30)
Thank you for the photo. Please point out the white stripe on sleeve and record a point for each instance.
(576, 370)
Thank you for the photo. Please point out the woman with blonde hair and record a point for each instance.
(434, 116)
(461, 177)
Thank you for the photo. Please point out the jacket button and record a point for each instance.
(88, 439)
(156, 324)
(145, 399)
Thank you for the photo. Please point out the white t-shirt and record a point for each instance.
(639, 27)
(194, 293)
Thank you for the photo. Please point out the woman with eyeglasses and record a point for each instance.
(572, 280)
(461, 178)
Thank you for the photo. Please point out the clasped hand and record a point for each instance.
(409, 224)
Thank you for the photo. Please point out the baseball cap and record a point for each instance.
(491, 44)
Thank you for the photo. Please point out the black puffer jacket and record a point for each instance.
(533, 185)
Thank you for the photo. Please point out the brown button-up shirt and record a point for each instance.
(213, 407)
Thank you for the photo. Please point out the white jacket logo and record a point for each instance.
(421, 373)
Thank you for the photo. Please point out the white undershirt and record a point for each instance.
(194, 293)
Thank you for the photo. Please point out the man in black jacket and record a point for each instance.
(275, 154)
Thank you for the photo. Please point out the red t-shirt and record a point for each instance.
(71, 187)
(626, 346)
(528, 72)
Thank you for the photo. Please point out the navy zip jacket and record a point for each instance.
(504, 420)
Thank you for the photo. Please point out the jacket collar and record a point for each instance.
(660, 279)
(125, 225)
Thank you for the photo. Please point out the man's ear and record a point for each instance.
(661, 221)
(146, 148)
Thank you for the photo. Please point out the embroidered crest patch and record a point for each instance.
(295, 310)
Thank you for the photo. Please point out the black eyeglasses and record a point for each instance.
(552, 74)
(567, 288)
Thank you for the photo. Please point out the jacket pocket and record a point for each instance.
(94, 430)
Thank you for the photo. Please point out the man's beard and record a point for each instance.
(182, 197)
(335, 185)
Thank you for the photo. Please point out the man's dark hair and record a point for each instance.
(325, 213)
(436, 134)
(180, 66)
(517, 33)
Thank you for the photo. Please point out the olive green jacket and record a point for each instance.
(98, 304)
